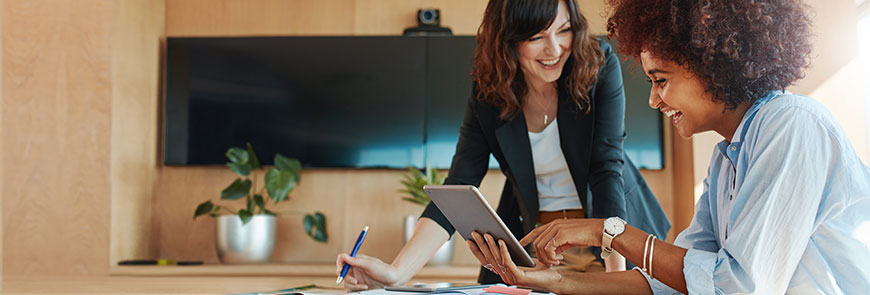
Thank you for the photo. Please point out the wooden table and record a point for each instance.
(217, 279)
(154, 285)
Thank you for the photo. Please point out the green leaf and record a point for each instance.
(236, 190)
(237, 155)
(315, 226)
(214, 212)
(291, 165)
(416, 173)
(240, 169)
(258, 200)
(414, 182)
(252, 157)
(267, 211)
(245, 215)
(279, 183)
(249, 204)
(203, 208)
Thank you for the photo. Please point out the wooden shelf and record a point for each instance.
(464, 272)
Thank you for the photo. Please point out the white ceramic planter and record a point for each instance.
(249, 243)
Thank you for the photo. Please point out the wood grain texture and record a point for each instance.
(56, 120)
(174, 285)
(2, 8)
(391, 17)
(446, 273)
(350, 199)
(138, 31)
(259, 17)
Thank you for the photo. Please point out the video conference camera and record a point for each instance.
(428, 24)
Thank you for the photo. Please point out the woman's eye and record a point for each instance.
(535, 38)
(660, 81)
(566, 30)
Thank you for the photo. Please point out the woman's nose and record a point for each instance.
(654, 99)
(553, 48)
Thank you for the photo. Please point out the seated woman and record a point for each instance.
(786, 202)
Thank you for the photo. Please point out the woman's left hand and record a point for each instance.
(485, 249)
(495, 257)
(551, 239)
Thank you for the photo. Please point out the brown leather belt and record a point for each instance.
(546, 217)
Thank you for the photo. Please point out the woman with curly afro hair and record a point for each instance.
(786, 201)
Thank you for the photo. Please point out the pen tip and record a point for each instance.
(338, 281)
(367, 228)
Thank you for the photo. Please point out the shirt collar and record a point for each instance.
(732, 148)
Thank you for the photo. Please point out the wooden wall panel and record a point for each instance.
(260, 17)
(56, 119)
(2, 9)
(351, 199)
(138, 31)
(391, 17)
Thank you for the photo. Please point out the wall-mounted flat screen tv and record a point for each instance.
(344, 102)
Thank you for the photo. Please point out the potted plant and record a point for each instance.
(247, 235)
(413, 192)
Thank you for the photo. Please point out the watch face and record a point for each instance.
(614, 226)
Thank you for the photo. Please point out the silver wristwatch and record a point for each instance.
(613, 227)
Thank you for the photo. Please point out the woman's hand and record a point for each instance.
(366, 272)
(485, 250)
(551, 239)
(495, 257)
(541, 276)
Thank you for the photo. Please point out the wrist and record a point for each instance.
(559, 287)
(599, 231)
(398, 276)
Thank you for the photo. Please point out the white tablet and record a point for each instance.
(467, 210)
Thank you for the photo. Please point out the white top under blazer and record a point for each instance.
(556, 190)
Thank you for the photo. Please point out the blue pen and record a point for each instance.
(362, 236)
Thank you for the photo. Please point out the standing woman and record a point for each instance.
(548, 104)
(786, 202)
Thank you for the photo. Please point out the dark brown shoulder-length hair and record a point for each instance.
(496, 72)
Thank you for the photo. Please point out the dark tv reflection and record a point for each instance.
(331, 102)
(365, 102)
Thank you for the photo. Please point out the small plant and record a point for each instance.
(278, 182)
(414, 183)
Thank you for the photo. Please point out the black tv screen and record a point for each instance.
(329, 101)
(356, 102)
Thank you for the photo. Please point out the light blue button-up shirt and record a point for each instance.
(785, 209)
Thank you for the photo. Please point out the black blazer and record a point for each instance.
(591, 143)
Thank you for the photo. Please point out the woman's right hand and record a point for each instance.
(366, 272)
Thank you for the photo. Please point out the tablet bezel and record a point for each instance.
(468, 211)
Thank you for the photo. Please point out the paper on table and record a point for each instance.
(507, 290)
(474, 291)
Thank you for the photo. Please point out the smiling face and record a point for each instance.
(679, 94)
(543, 56)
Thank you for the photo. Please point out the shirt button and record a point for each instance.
(733, 148)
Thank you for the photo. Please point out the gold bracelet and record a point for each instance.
(645, 249)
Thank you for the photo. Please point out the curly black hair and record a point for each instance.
(739, 49)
